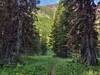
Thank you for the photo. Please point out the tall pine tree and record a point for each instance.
(60, 30)
(84, 30)
(17, 30)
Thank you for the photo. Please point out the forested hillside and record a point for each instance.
(48, 10)
(44, 25)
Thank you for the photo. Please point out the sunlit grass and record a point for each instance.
(43, 65)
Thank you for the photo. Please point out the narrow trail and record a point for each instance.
(53, 68)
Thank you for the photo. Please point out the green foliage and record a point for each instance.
(60, 31)
(44, 27)
(74, 29)
(43, 65)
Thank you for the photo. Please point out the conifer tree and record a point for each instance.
(17, 30)
(82, 33)
(60, 30)
(83, 30)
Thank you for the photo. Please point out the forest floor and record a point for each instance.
(47, 65)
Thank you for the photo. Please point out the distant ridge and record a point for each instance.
(52, 6)
(48, 10)
(47, 2)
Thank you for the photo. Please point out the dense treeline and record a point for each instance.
(74, 29)
(87, 34)
(60, 30)
(17, 29)
(44, 27)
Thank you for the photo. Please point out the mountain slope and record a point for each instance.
(47, 10)
(44, 23)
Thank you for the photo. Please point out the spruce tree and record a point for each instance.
(17, 30)
(82, 33)
(60, 30)
(84, 30)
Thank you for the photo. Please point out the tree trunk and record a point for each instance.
(14, 15)
(88, 34)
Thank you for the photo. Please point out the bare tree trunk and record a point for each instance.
(88, 51)
(8, 30)
(88, 34)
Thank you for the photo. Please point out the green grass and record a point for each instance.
(44, 65)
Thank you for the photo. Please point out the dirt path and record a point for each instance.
(53, 68)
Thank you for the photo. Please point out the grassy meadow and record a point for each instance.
(48, 65)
